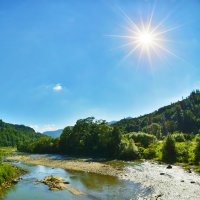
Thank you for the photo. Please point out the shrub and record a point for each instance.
(128, 150)
(154, 129)
(197, 138)
(182, 151)
(179, 137)
(144, 139)
(7, 172)
(197, 152)
(169, 150)
(191, 152)
(149, 153)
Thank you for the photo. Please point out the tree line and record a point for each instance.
(182, 116)
(171, 134)
(90, 137)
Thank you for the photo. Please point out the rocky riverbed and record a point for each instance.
(167, 183)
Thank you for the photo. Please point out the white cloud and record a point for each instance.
(58, 87)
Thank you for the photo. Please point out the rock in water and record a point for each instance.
(56, 183)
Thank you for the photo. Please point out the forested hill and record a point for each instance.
(182, 116)
(12, 134)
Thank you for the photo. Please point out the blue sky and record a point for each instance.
(58, 62)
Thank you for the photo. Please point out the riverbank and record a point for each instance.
(9, 175)
(76, 165)
(166, 184)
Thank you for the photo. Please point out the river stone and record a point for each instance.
(15, 181)
(169, 167)
(66, 182)
(54, 189)
(155, 197)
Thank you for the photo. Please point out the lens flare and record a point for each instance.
(145, 38)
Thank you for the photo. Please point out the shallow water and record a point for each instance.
(95, 186)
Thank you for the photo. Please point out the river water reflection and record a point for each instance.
(93, 185)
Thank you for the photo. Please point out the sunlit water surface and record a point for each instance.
(93, 185)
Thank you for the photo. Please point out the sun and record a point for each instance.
(146, 38)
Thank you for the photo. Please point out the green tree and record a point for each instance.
(154, 129)
(64, 143)
(197, 152)
(115, 141)
(169, 150)
(179, 137)
(128, 150)
(144, 139)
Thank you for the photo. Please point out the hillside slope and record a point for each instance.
(182, 116)
(12, 134)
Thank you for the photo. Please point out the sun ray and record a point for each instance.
(121, 36)
(168, 30)
(129, 20)
(150, 18)
(125, 45)
(167, 51)
(130, 52)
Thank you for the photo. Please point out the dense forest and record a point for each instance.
(182, 116)
(170, 134)
(13, 135)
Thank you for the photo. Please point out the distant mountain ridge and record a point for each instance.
(53, 134)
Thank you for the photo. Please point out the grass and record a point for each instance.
(8, 172)
(6, 151)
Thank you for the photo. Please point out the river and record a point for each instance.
(96, 187)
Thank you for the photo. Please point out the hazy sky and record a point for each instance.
(58, 62)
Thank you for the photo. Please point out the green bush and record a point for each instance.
(169, 150)
(149, 153)
(197, 138)
(144, 139)
(182, 152)
(153, 129)
(7, 172)
(197, 152)
(179, 137)
(128, 150)
(191, 152)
